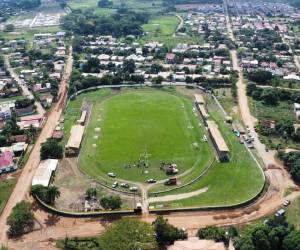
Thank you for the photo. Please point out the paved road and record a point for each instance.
(24, 182)
(25, 91)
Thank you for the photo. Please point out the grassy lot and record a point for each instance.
(73, 110)
(80, 4)
(293, 213)
(151, 125)
(162, 25)
(228, 183)
(161, 29)
(136, 5)
(6, 188)
(5, 99)
(28, 34)
(170, 42)
(283, 110)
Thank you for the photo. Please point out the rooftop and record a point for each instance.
(218, 138)
(6, 159)
(75, 136)
(194, 243)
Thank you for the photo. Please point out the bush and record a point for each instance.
(166, 233)
(21, 219)
(111, 202)
(45, 194)
(51, 149)
(213, 233)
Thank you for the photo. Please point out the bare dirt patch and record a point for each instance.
(73, 185)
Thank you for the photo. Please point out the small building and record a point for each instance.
(268, 123)
(74, 142)
(296, 107)
(199, 99)
(218, 141)
(203, 112)
(81, 121)
(170, 57)
(7, 162)
(44, 172)
(19, 138)
(194, 243)
(25, 111)
(200, 104)
(59, 135)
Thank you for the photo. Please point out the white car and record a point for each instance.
(111, 175)
(115, 184)
(286, 203)
(133, 189)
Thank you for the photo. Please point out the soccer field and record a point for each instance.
(143, 126)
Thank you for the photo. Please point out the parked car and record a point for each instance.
(286, 203)
(151, 181)
(171, 181)
(280, 213)
(133, 189)
(250, 146)
(111, 175)
(115, 184)
(124, 185)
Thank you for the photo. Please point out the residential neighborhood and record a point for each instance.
(162, 124)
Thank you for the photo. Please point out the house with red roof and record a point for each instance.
(170, 57)
(7, 162)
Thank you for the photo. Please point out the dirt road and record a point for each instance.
(25, 91)
(179, 25)
(24, 182)
(174, 197)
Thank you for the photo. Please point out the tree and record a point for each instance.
(105, 4)
(91, 192)
(91, 66)
(260, 76)
(111, 202)
(269, 96)
(166, 233)
(264, 236)
(157, 80)
(129, 66)
(213, 233)
(128, 234)
(23, 103)
(21, 219)
(45, 194)
(292, 241)
(51, 194)
(9, 27)
(51, 149)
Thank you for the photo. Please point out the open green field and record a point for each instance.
(28, 34)
(138, 123)
(161, 29)
(283, 110)
(136, 5)
(6, 188)
(293, 213)
(228, 183)
(162, 25)
(142, 125)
